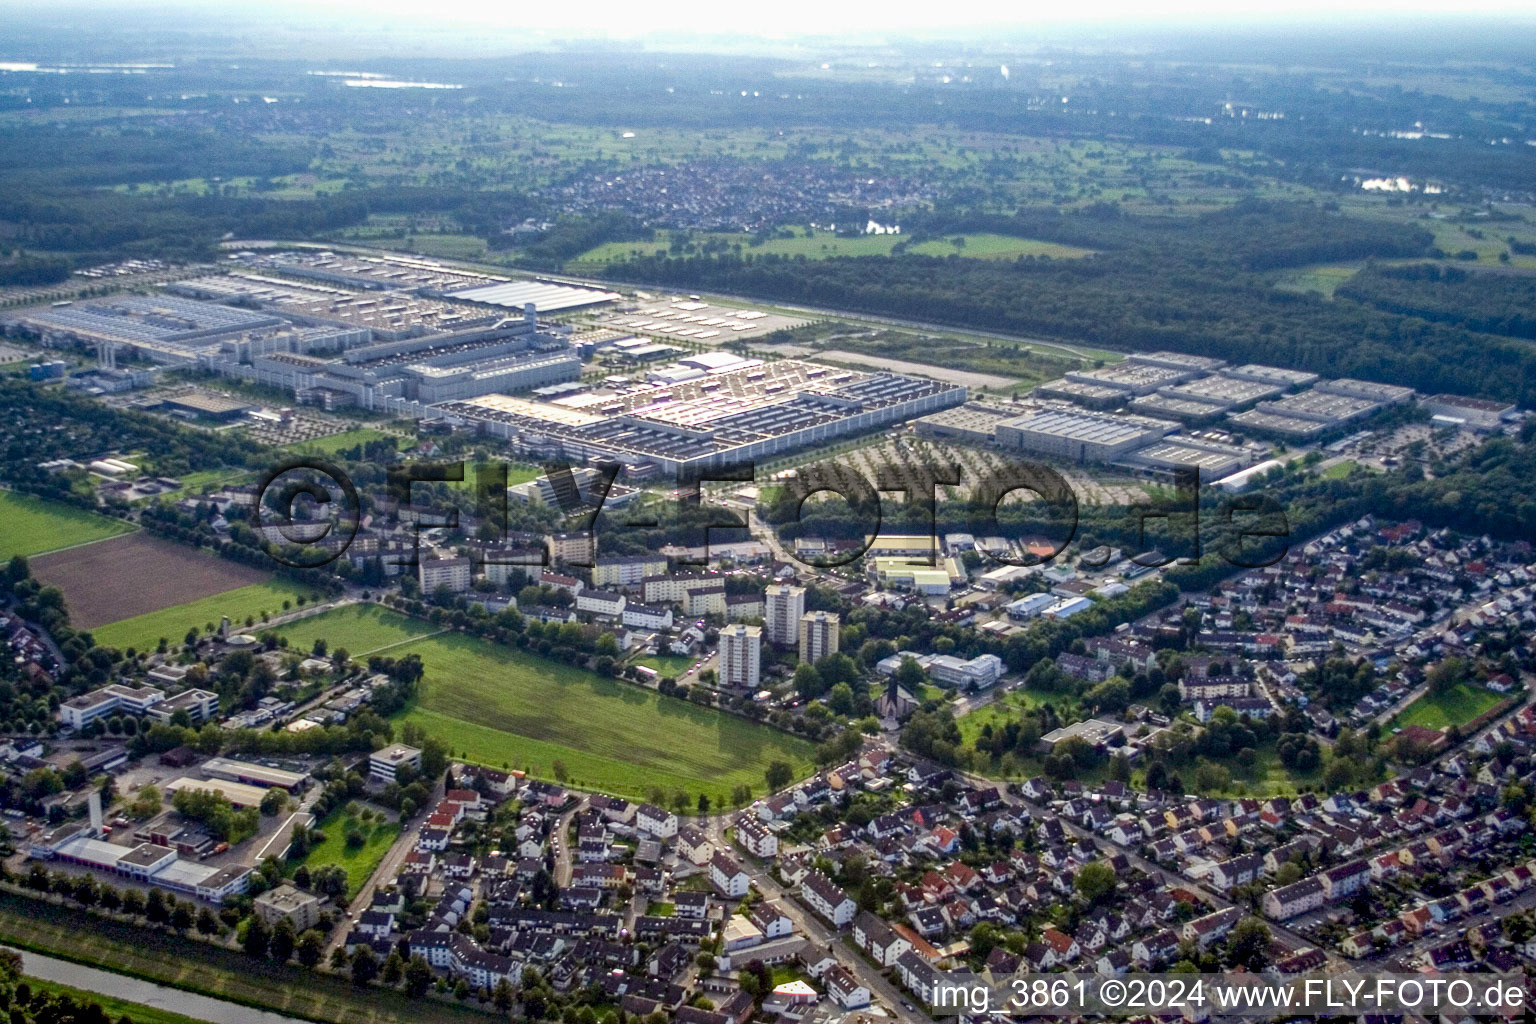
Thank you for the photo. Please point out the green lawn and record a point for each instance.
(504, 706)
(114, 1007)
(360, 628)
(336, 442)
(499, 705)
(144, 631)
(1457, 706)
(1340, 470)
(202, 482)
(667, 664)
(358, 860)
(183, 963)
(33, 525)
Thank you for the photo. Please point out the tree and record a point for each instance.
(1094, 881)
(258, 937)
(1249, 945)
(182, 917)
(418, 976)
(779, 774)
(394, 969)
(208, 924)
(283, 941)
(365, 966)
(311, 947)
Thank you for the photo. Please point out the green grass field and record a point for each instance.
(825, 246)
(667, 664)
(336, 442)
(360, 628)
(114, 1007)
(33, 525)
(186, 964)
(358, 860)
(1456, 706)
(145, 631)
(499, 706)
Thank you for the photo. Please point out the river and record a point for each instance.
(149, 993)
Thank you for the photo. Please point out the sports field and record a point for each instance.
(31, 526)
(499, 705)
(144, 631)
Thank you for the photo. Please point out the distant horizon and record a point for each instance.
(685, 22)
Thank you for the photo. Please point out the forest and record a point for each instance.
(1495, 303)
(1188, 284)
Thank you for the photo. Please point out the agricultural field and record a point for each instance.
(820, 245)
(1456, 706)
(359, 861)
(252, 602)
(33, 526)
(136, 574)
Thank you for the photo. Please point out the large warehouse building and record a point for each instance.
(1076, 436)
(729, 418)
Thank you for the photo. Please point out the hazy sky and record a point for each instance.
(783, 18)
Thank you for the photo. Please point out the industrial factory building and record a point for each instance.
(1075, 436)
(730, 418)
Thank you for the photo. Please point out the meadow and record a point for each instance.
(1456, 706)
(144, 631)
(360, 628)
(503, 706)
(34, 525)
(359, 861)
(825, 245)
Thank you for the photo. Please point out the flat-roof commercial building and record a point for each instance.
(385, 764)
(1225, 392)
(1371, 391)
(545, 296)
(1079, 436)
(237, 793)
(1278, 376)
(1294, 428)
(161, 327)
(1079, 392)
(1177, 361)
(1135, 377)
(1334, 408)
(730, 418)
(1212, 461)
(1188, 411)
(1475, 413)
(254, 774)
(972, 423)
(288, 903)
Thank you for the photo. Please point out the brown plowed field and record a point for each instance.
(134, 574)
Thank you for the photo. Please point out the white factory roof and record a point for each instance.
(545, 296)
